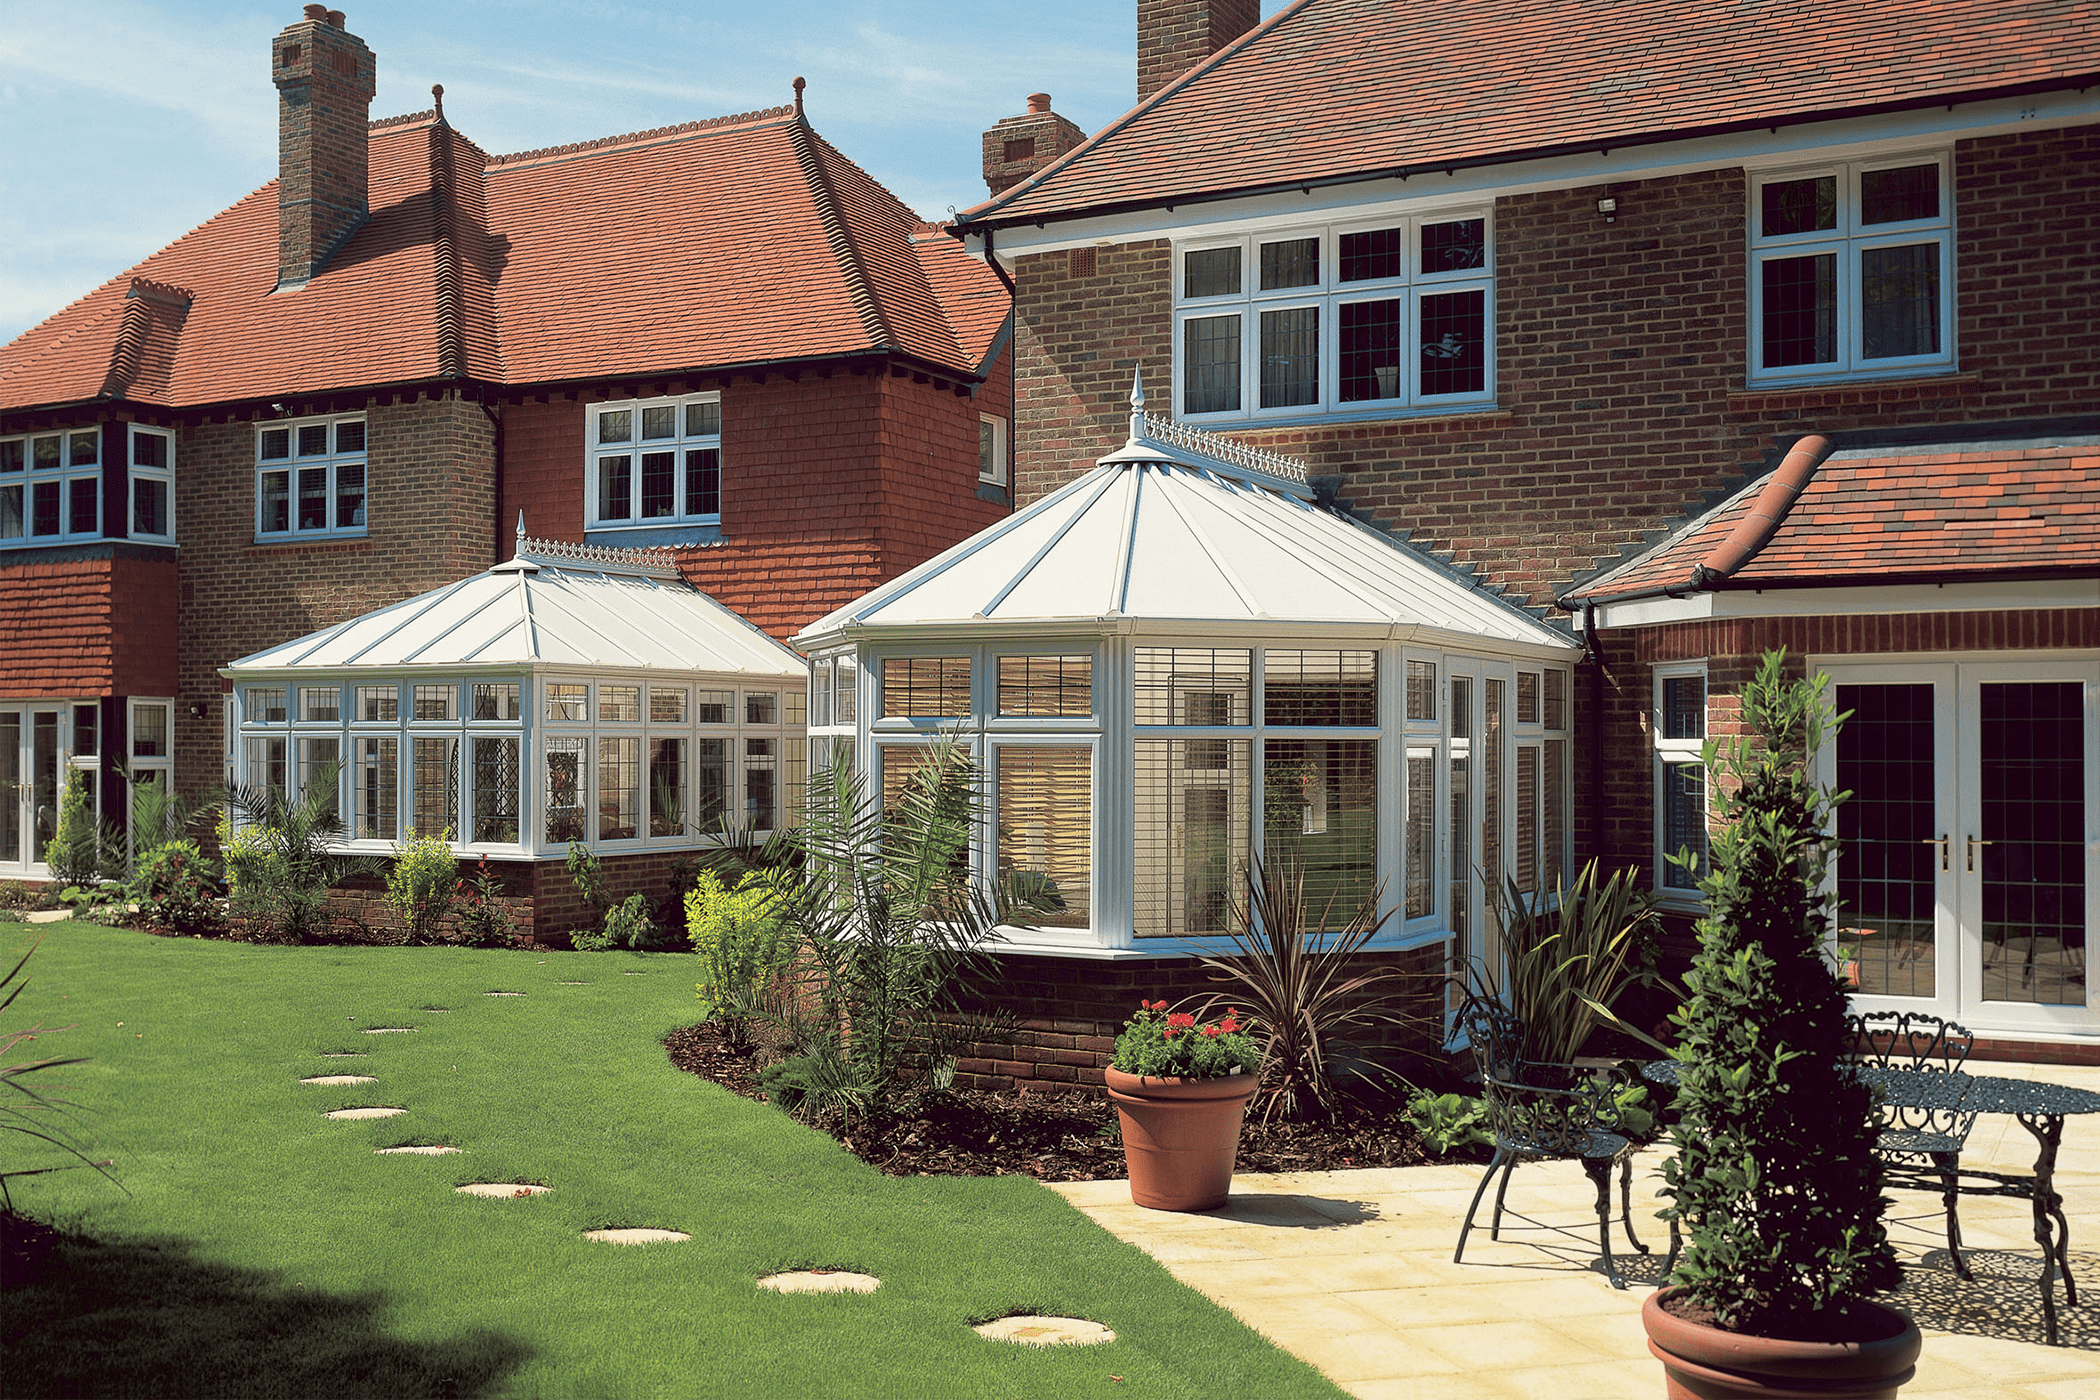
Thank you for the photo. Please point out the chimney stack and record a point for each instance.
(325, 78)
(1019, 146)
(1174, 36)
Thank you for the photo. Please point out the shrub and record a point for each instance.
(484, 920)
(83, 851)
(422, 884)
(1774, 1183)
(1448, 1122)
(174, 886)
(628, 925)
(741, 937)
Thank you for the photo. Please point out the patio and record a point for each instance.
(1352, 1272)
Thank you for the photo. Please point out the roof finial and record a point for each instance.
(437, 95)
(1137, 405)
(800, 83)
(519, 548)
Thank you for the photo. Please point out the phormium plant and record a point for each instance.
(1775, 1183)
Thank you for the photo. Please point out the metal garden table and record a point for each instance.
(2041, 1108)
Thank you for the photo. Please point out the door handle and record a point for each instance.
(1973, 844)
(1941, 842)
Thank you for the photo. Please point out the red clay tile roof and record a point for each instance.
(736, 241)
(1944, 511)
(1329, 90)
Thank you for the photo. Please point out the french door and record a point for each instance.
(1967, 870)
(32, 755)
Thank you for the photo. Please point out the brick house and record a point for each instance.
(1696, 330)
(722, 339)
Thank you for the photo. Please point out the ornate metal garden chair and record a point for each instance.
(1920, 1147)
(1545, 1111)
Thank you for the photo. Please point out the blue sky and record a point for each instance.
(129, 122)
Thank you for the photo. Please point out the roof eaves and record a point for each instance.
(977, 219)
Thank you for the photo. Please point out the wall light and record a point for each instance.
(1609, 208)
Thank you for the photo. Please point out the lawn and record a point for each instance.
(266, 1250)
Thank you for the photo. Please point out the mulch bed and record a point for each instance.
(1060, 1134)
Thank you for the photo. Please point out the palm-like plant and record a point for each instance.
(1299, 990)
(24, 1107)
(280, 864)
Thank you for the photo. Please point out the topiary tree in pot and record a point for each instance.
(1774, 1184)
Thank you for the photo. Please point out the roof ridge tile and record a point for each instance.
(653, 134)
(843, 249)
(405, 119)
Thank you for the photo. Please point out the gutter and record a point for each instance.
(2079, 83)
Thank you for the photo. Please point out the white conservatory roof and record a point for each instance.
(553, 605)
(1181, 529)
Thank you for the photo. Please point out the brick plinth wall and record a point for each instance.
(540, 896)
(1071, 1010)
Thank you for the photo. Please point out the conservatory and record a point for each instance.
(1184, 658)
(571, 694)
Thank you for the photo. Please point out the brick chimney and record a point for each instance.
(1174, 36)
(1019, 146)
(325, 78)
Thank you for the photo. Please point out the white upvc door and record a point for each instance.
(32, 755)
(1968, 867)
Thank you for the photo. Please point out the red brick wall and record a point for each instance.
(431, 505)
(1621, 355)
(87, 626)
(831, 484)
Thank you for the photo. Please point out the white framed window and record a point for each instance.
(51, 486)
(991, 449)
(653, 462)
(152, 484)
(310, 477)
(1678, 726)
(1852, 269)
(1366, 317)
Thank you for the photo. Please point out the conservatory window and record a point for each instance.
(320, 764)
(267, 763)
(434, 779)
(654, 462)
(926, 687)
(1045, 828)
(1459, 777)
(666, 704)
(711, 782)
(759, 773)
(666, 783)
(1420, 853)
(761, 707)
(619, 704)
(435, 703)
(1046, 687)
(568, 702)
(376, 785)
(1319, 687)
(310, 477)
(619, 785)
(714, 707)
(496, 786)
(1680, 775)
(1194, 686)
(1321, 806)
(565, 787)
(380, 703)
(1195, 801)
(496, 700)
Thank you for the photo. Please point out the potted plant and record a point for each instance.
(1775, 1185)
(1180, 1088)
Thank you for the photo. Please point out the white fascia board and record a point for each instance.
(1859, 138)
(439, 670)
(1836, 602)
(1158, 631)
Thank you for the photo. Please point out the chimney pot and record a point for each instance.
(317, 13)
(335, 17)
(1038, 102)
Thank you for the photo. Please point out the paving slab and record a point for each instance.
(1351, 1271)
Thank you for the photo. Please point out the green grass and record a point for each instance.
(265, 1250)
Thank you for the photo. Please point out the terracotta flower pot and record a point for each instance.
(1706, 1363)
(1180, 1136)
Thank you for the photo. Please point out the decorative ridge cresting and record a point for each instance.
(166, 293)
(637, 137)
(405, 119)
(653, 562)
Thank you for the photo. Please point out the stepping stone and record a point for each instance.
(1031, 1330)
(503, 994)
(502, 1190)
(439, 1010)
(429, 1151)
(635, 1236)
(47, 916)
(572, 984)
(821, 1281)
(340, 1079)
(634, 974)
(390, 1030)
(344, 1055)
(366, 1113)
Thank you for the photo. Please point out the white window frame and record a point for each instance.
(333, 461)
(1329, 294)
(1672, 753)
(1848, 243)
(163, 476)
(598, 456)
(992, 472)
(18, 486)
